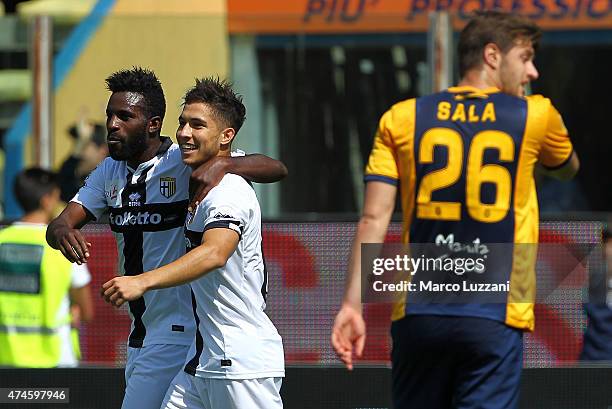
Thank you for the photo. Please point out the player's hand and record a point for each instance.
(121, 289)
(348, 334)
(207, 176)
(72, 244)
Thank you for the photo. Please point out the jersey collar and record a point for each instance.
(473, 91)
(165, 145)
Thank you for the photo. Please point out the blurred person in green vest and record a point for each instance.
(43, 297)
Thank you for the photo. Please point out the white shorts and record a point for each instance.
(148, 373)
(192, 392)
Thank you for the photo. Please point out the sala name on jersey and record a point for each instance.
(463, 113)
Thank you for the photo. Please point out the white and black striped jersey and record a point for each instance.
(235, 338)
(147, 208)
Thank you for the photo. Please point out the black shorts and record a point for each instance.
(443, 362)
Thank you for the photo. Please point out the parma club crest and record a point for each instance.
(167, 186)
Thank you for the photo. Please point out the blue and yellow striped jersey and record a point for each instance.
(463, 160)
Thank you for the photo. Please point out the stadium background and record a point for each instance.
(316, 75)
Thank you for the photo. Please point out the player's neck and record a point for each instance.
(480, 79)
(147, 155)
(37, 216)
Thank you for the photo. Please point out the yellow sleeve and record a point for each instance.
(382, 164)
(556, 147)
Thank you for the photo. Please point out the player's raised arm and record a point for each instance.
(63, 233)
(348, 332)
(256, 168)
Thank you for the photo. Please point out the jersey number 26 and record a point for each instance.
(476, 175)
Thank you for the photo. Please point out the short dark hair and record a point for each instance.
(141, 81)
(219, 95)
(31, 185)
(500, 28)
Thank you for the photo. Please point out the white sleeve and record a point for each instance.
(80, 276)
(225, 207)
(91, 196)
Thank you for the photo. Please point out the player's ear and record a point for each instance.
(491, 55)
(154, 125)
(227, 136)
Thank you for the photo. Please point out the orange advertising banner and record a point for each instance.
(360, 16)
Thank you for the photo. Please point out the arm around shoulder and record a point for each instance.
(258, 168)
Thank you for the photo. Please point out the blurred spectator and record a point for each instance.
(89, 150)
(10, 6)
(597, 345)
(37, 283)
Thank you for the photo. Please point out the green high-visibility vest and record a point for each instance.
(34, 279)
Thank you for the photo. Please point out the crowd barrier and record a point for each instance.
(306, 264)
